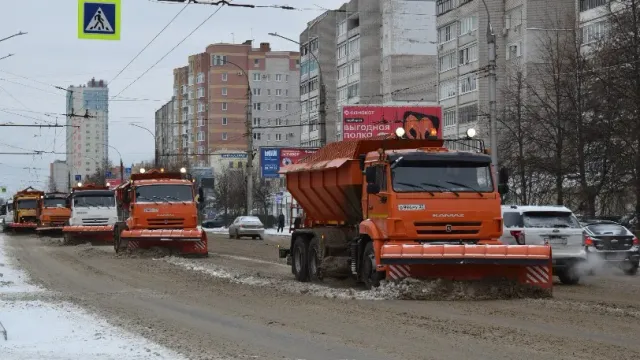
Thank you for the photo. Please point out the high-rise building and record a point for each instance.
(211, 100)
(369, 52)
(166, 134)
(58, 176)
(519, 27)
(87, 128)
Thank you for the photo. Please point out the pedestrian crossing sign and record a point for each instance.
(99, 19)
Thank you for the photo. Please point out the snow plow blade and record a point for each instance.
(95, 233)
(186, 242)
(525, 264)
(26, 225)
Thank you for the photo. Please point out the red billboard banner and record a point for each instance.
(365, 121)
(290, 156)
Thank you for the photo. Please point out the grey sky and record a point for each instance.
(52, 53)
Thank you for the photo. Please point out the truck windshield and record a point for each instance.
(166, 193)
(550, 219)
(422, 176)
(27, 204)
(51, 203)
(97, 200)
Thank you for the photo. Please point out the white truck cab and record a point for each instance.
(93, 208)
(6, 215)
(555, 225)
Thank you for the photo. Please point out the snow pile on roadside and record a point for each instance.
(60, 330)
(224, 230)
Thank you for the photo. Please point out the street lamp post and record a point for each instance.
(155, 160)
(491, 41)
(249, 130)
(121, 163)
(322, 95)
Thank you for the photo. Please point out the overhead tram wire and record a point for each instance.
(149, 43)
(169, 52)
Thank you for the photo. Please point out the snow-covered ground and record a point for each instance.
(46, 329)
(270, 232)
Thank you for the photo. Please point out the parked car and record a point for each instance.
(249, 226)
(553, 225)
(219, 221)
(612, 244)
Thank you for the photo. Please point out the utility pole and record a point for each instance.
(491, 41)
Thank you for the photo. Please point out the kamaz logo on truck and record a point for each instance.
(448, 215)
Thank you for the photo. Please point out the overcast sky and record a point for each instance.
(51, 53)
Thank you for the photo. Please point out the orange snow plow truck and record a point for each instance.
(25, 214)
(389, 208)
(53, 212)
(159, 209)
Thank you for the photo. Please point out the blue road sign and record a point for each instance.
(99, 19)
(127, 171)
(78, 177)
(108, 174)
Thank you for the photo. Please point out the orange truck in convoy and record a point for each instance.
(93, 214)
(159, 209)
(53, 212)
(25, 214)
(389, 208)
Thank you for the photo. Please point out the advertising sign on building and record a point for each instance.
(365, 121)
(290, 156)
(269, 162)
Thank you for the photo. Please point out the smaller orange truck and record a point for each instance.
(25, 215)
(159, 209)
(53, 212)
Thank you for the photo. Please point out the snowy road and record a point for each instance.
(242, 303)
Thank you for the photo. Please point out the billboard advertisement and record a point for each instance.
(365, 121)
(269, 162)
(272, 159)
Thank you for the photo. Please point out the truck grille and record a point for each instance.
(95, 221)
(166, 222)
(59, 219)
(447, 227)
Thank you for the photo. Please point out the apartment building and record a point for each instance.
(369, 52)
(593, 19)
(166, 131)
(87, 136)
(212, 98)
(58, 176)
(520, 27)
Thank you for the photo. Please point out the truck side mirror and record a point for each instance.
(373, 188)
(503, 176)
(370, 174)
(125, 197)
(503, 188)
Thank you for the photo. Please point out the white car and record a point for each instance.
(553, 225)
(249, 226)
(6, 215)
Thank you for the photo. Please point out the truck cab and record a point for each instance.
(25, 213)
(6, 215)
(53, 211)
(92, 207)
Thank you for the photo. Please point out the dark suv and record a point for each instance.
(612, 244)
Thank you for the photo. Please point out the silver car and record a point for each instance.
(249, 226)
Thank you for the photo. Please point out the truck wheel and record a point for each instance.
(368, 273)
(299, 262)
(316, 255)
(67, 239)
(569, 276)
(630, 268)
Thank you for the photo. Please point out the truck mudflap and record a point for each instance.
(187, 241)
(525, 264)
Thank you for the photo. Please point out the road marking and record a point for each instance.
(243, 258)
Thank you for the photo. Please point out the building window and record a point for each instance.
(447, 61)
(224, 106)
(342, 50)
(190, 80)
(278, 92)
(257, 106)
(442, 6)
(200, 78)
(225, 76)
(591, 4)
(256, 76)
(513, 20)
(278, 137)
(354, 45)
(468, 83)
(468, 24)
(278, 77)
(175, 91)
(256, 136)
(269, 107)
(594, 32)
(200, 121)
(225, 121)
(224, 136)
(185, 89)
(200, 135)
(353, 90)
(200, 150)
(286, 78)
(342, 28)
(224, 91)
(468, 54)
(278, 107)
(467, 114)
(256, 62)
(256, 91)
(218, 60)
(286, 106)
(256, 121)
(447, 89)
(449, 117)
(446, 33)
(200, 107)
(200, 92)
(514, 50)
